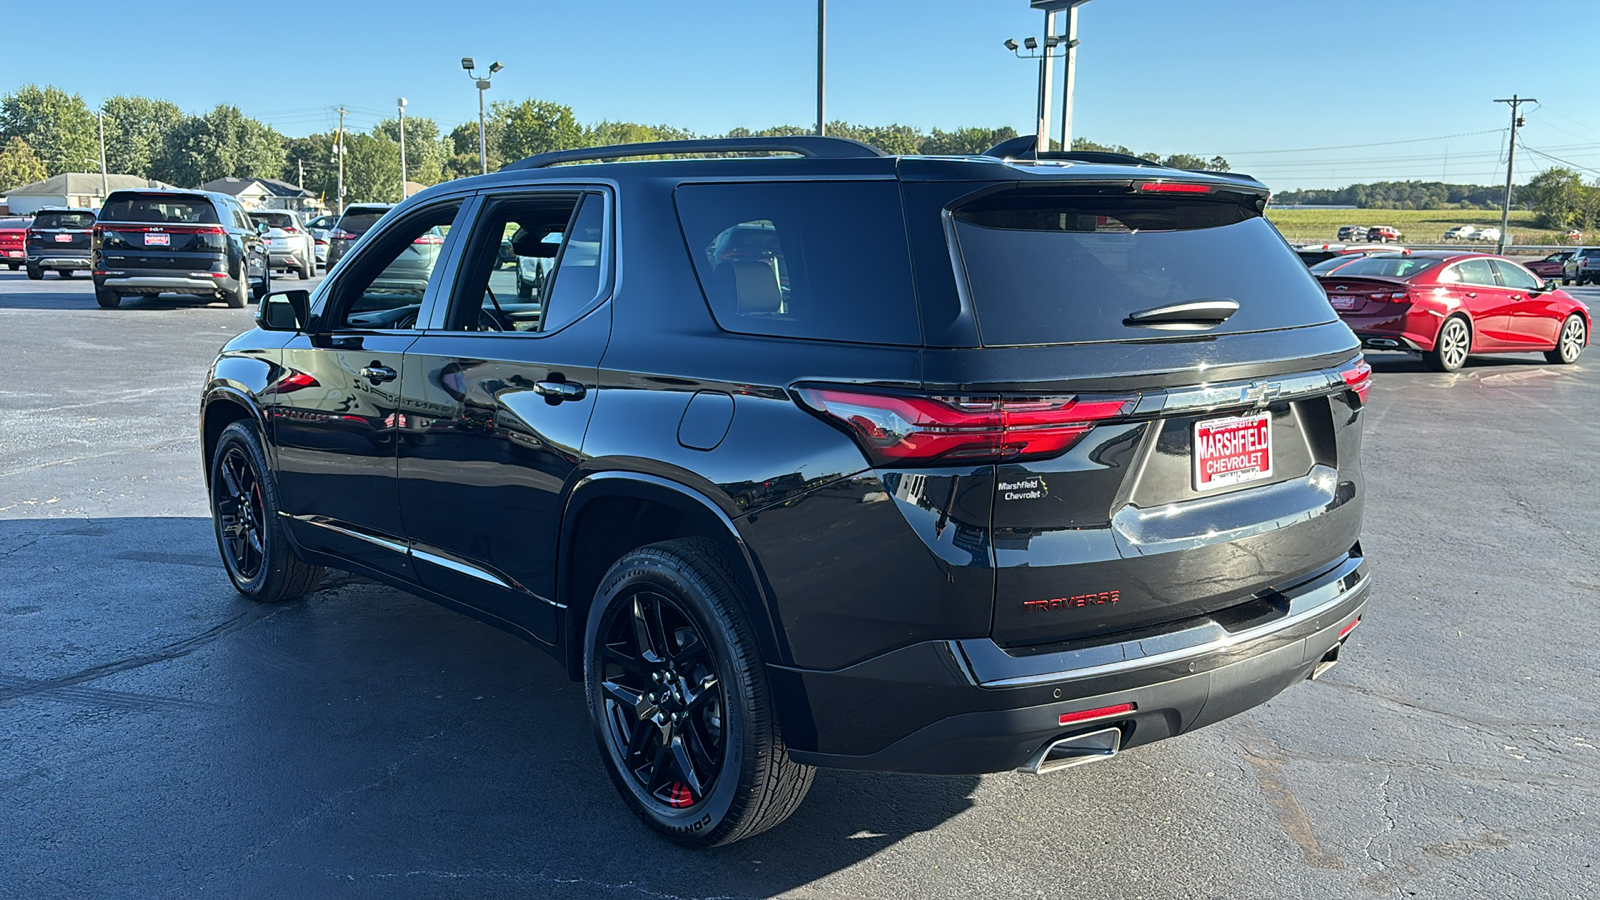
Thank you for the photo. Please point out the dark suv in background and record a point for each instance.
(353, 223)
(58, 240)
(909, 464)
(158, 241)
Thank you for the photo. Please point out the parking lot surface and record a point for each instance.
(161, 736)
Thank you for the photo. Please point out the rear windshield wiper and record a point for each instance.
(1189, 315)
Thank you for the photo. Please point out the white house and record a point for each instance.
(76, 189)
(265, 193)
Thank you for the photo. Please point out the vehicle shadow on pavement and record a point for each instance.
(1395, 363)
(359, 742)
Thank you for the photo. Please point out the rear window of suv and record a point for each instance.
(819, 260)
(1070, 267)
(358, 221)
(63, 220)
(174, 208)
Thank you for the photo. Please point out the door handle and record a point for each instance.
(1472, 293)
(378, 374)
(557, 391)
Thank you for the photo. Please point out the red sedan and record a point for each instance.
(13, 246)
(1446, 304)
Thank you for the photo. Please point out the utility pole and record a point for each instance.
(1047, 78)
(104, 189)
(402, 148)
(338, 151)
(1511, 156)
(822, 66)
(301, 184)
(1071, 66)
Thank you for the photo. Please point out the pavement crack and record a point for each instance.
(1267, 758)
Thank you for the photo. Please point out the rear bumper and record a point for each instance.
(1406, 327)
(969, 706)
(134, 281)
(60, 261)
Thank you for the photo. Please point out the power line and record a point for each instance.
(1442, 137)
(1558, 159)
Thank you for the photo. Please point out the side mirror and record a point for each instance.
(1549, 285)
(284, 311)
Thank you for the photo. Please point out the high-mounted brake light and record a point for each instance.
(1358, 378)
(429, 239)
(1097, 713)
(916, 430)
(1172, 187)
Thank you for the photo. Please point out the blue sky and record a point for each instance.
(1262, 82)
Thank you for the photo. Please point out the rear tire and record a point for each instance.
(255, 548)
(238, 297)
(1570, 341)
(35, 273)
(12, 266)
(678, 694)
(64, 273)
(107, 299)
(1451, 347)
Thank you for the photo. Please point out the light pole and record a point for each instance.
(402, 149)
(1055, 47)
(483, 85)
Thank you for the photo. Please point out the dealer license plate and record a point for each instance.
(1342, 302)
(157, 240)
(1233, 450)
(63, 238)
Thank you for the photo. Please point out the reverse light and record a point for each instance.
(1358, 378)
(1097, 713)
(894, 429)
(1170, 187)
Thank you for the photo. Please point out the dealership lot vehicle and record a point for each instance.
(1552, 266)
(290, 245)
(1322, 258)
(149, 242)
(1486, 235)
(1582, 267)
(352, 224)
(1460, 233)
(1446, 304)
(320, 227)
(13, 241)
(1352, 232)
(1383, 234)
(58, 241)
(1046, 544)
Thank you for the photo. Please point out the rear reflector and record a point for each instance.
(1098, 713)
(1358, 378)
(917, 430)
(1349, 628)
(1169, 187)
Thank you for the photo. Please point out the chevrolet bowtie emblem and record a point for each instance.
(1260, 393)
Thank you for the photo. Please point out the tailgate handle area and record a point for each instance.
(1191, 315)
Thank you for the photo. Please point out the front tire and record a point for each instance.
(1451, 347)
(678, 694)
(1570, 341)
(261, 288)
(250, 534)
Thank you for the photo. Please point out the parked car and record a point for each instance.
(1334, 263)
(1582, 267)
(1445, 304)
(58, 241)
(162, 241)
(1487, 235)
(1552, 266)
(1460, 233)
(320, 227)
(1314, 254)
(290, 246)
(13, 241)
(1353, 232)
(352, 224)
(787, 507)
(1574, 235)
(1383, 234)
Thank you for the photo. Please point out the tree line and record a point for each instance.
(1400, 195)
(45, 131)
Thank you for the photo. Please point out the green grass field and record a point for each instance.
(1422, 226)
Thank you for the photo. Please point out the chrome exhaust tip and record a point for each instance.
(1328, 661)
(1074, 751)
(1383, 343)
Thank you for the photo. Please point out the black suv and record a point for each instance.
(352, 224)
(915, 464)
(159, 241)
(58, 240)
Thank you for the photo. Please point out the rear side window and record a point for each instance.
(820, 260)
(1058, 268)
(173, 208)
(64, 220)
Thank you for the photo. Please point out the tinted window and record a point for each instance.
(64, 220)
(176, 208)
(1328, 265)
(1047, 268)
(1389, 266)
(1476, 271)
(276, 220)
(359, 220)
(1515, 277)
(537, 264)
(385, 284)
(821, 260)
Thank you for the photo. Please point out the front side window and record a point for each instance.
(537, 264)
(1515, 276)
(384, 286)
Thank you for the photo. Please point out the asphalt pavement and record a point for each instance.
(161, 737)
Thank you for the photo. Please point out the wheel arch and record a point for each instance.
(611, 512)
(222, 407)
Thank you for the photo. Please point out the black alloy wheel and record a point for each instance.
(678, 694)
(250, 534)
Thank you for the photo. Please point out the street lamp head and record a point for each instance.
(402, 103)
(1011, 44)
(468, 64)
(495, 67)
(1030, 43)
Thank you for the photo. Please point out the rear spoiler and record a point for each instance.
(1026, 148)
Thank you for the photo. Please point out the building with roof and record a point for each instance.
(82, 190)
(266, 193)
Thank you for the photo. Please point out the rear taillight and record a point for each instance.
(894, 429)
(1358, 378)
(341, 236)
(1101, 712)
(1171, 187)
(429, 239)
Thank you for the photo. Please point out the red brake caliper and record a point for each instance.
(678, 795)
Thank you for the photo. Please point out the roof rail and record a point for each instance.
(1024, 148)
(812, 146)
